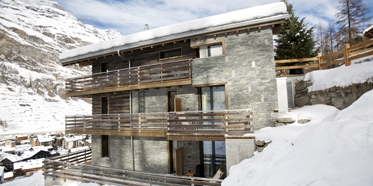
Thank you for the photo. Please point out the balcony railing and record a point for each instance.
(106, 175)
(147, 76)
(192, 122)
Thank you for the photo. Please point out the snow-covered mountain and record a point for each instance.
(32, 83)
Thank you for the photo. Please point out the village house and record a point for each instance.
(73, 142)
(21, 139)
(182, 98)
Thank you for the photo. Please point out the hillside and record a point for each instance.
(32, 35)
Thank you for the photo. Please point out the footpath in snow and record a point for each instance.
(335, 148)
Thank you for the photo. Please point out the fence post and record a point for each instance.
(320, 61)
(345, 54)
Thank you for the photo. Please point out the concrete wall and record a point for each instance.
(238, 150)
(249, 69)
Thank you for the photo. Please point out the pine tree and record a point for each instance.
(352, 14)
(295, 39)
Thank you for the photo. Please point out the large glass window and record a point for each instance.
(214, 156)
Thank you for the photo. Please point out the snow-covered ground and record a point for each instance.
(38, 180)
(335, 148)
(360, 71)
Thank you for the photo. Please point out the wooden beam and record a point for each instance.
(119, 133)
(131, 87)
(297, 67)
(296, 60)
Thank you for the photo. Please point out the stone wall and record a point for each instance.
(156, 99)
(151, 154)
(247, 67)
(339, 97)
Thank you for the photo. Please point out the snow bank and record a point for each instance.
(358, 72)
(335, 148)
(217, 20)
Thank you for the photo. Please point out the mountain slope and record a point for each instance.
(32, 35)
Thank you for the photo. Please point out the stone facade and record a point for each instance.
(151, 154)
(339, 97)
(248, 68)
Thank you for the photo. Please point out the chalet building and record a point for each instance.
(368, 32)
(7, 164)
(180, 98)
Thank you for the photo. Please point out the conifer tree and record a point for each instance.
(295, 39)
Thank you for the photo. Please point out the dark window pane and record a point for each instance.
(104, 67)
(104, 105)
(105, 146)
(170, 53)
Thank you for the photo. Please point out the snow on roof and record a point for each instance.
(74, 138)
(249, 16)
(8, 175)
(44, 138)
(367, 30)
(29, 164)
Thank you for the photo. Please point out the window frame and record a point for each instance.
(105, 154)
(174, 57)
(210, 43)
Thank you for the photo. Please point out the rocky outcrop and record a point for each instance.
(32, 35)
(339, 97)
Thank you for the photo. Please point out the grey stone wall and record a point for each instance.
(155, 99)
(191, 155)
(151, 154)
(249, 70)
(339, 97)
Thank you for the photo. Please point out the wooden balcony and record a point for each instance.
(166, 74)
(62, 168)
(192, 126)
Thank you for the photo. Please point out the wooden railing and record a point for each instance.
(192, 122)
(107, 175)
(75, 157)
(343, 56)
(131, 77)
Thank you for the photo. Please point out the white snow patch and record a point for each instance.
(335, 148)
(359, 71)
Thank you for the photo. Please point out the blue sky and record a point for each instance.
(130, 16)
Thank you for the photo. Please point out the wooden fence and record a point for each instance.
(107, 175)
(131, 77)
(343, 56)
(192, 122)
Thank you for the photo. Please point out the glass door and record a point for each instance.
(214, 158)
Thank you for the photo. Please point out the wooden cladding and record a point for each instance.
(234, 122)
(134, 78)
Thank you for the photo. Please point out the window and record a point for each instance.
(211, 51)
(104, 67)
(104, 105)
(104, 146)
(170, 53)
